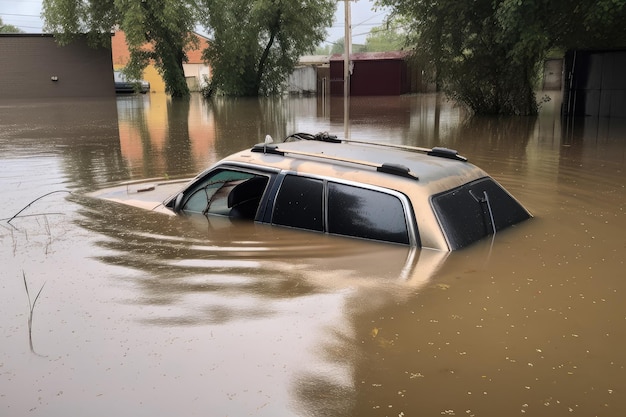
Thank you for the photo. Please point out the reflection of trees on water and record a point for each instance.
(132, 117)
(414, 120)
(150, 120)
(243, 122)
(83, 133)
(507, 136)
(177, 151)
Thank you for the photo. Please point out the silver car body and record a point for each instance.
(413, 175)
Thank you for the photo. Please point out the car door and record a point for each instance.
(343, 209)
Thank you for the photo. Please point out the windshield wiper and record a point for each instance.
(485, 200)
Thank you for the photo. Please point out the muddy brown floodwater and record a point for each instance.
(139, 314)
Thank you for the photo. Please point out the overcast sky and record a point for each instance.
(25, 15)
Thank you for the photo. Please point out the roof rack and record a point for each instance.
(440, 152)
(388, 168)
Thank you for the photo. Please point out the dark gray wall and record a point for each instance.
(29, 62)
(595, 83)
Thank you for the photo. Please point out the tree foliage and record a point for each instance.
(8, 28)
(166, 26)
(256, 43)
(486, 53)
(322, 50)
(338, 47)
(388, 37)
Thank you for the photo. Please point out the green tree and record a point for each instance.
(461, 44)
(565, 24)
(9, 28)
(486, 53)
(256, 43)
(338, 47)
(388, 37)
(322, 50)
(165, 26)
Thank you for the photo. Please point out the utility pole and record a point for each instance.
(347, 46)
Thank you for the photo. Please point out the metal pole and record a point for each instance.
(347, 41)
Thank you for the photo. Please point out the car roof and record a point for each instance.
(409, 169)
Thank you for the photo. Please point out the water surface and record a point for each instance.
(145, 315)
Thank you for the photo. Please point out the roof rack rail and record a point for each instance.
(441, 152)
(320, 137)
(388, 168)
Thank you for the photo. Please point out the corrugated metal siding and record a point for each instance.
(376, 78)
(374, 75)
(303, 80)
(30, 62)
(595, 84)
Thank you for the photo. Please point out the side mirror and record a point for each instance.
(178, 203)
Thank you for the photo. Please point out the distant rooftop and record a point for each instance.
(372, 56)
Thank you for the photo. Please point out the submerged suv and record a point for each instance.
(431, 198)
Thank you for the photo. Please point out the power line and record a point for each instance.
(23, 15)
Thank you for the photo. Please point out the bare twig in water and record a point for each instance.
(38, 198)
(49, 242)
(49, 213)
(31, 309)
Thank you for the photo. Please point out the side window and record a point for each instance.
(369, 214)
(299, 203)
(227, 192)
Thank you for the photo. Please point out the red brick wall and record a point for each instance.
(119, 50)
(121, 55)
(29, 63)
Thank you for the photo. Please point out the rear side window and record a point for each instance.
(340, 209)
(364, 213)
(299, 203)
(472, 211)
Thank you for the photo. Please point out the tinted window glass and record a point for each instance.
(466, 212)
(359, 212)
(299, 203)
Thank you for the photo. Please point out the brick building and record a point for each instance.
(195, 69)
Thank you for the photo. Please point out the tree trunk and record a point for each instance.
(263, 61)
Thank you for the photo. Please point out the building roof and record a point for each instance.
(314, 60)
(373, 56)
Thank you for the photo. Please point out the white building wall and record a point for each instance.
(303, 80)
(196, 75)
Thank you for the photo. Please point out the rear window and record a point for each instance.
(472, 211)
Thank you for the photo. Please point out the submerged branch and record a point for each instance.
(38, 198)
